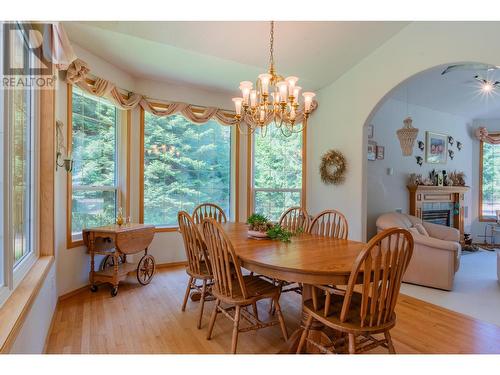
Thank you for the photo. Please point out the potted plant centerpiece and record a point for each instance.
(260, 227)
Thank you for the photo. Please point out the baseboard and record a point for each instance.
(86, 287)
(171, 265)
(72, 293)
(50, 328)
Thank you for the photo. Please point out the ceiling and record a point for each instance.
(218, 55)
(456, 92)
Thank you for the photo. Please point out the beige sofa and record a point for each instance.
(436, 257)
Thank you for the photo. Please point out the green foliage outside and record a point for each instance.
(94, 153)
(277, 166)
(21, 172)
(184, 165)
(491, 179)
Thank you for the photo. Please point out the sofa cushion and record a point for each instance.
(421, 230)
(413, 231)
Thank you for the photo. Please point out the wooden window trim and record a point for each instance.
(250, 192)
(141, 170)
(482, 218)
(70, 244)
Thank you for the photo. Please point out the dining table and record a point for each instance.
(307, 259)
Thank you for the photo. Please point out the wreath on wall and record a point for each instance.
(333, 167)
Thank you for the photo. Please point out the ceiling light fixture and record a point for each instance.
(274, 99)
(487, 86)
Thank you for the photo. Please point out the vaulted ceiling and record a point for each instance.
(456, 92)
(218, 55)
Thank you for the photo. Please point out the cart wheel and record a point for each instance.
(146, 269)
(93, 288)
(114, 291)
(109, 261)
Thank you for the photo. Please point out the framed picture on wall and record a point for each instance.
(372, 150)
(380, 152)
(370, 131)
(436, 148)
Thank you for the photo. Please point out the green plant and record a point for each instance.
(276, 232)
(259, 223)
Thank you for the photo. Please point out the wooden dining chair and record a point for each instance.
(205, 210)
(198, 267)
(378, 270)
(234, 290)
(330, 223)
(295, 219)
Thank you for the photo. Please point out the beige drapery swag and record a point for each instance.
(483, 135)
(78, 71)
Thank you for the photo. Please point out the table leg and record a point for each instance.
(316, 331)
(92, 262)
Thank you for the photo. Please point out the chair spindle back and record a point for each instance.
(294, 219)
(193, 242)
(210, 210)
(382, 263)
(330, 223)
(225, 264)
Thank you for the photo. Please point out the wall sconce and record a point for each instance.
(67, 162)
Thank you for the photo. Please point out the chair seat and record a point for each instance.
(257, 288)
(353, 321)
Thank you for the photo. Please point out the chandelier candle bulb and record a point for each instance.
(296, 93)
(253, 98)
(265, 79)
(308, 98)
(282, 87)
(237, 105)
(245, 88)
(291, 81)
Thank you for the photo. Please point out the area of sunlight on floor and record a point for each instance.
(476, 289)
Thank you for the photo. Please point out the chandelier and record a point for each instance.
(273, 100)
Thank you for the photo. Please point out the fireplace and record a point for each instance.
(439, 204)
(441, 217)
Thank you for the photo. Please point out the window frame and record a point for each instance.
(482, 218)
(71, 241)
(250, 174)
(15, 271)
(233, 180)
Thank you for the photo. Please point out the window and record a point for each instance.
(94, 177)
(18, 208)
(490, 181)
(277, 172)
(185, 164)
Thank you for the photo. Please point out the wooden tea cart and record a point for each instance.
(116, 242)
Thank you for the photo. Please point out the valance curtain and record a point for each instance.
(77, 74)
(483, 135)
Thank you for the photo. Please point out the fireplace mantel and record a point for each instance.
(422, 195)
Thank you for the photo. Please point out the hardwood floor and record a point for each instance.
(149, 320)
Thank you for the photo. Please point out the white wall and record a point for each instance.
(493, 125)
(387, 193)
(31, 337)
(346, 104)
